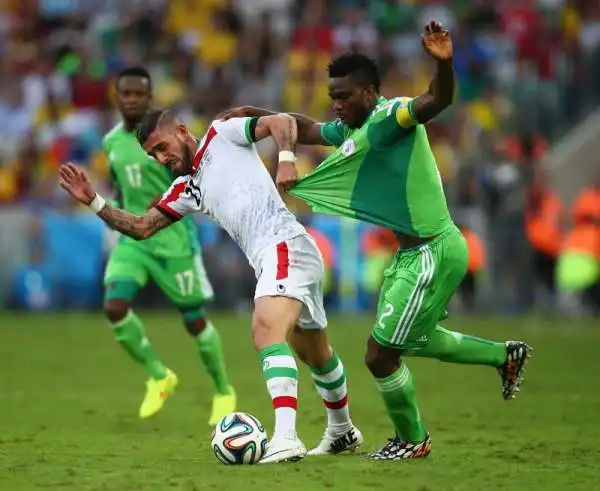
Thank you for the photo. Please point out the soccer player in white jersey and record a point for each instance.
(222, 176)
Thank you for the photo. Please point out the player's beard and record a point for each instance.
(188, 159)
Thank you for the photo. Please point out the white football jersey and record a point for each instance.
(230, 184)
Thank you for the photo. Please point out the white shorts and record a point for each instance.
(294, 268)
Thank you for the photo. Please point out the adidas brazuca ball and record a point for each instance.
(239, 438)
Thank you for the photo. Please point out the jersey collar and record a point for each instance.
(380, 102)
(210, 134)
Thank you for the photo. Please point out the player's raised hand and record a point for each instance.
(436, 41)
(76, 183)
(287, 176)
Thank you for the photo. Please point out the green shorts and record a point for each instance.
(416, 290)
(183, 280)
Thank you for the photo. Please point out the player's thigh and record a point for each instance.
(450, 256)
(405, 309)
(274, 317)
(125, 272)
(183, 280)
(294, 269)
(417, 297)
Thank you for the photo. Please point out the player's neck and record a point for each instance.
(130, 124)
(373, 106)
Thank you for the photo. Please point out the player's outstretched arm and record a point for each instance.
(135, 226)
(282, 127)
(438, 45)
(77, 184)
(284, 130)
(309, 130)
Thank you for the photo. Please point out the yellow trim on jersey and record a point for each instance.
(404, 115)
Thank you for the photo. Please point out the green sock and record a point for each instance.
(210, 351)
(454, 347)
(398, 394)
(129, 332)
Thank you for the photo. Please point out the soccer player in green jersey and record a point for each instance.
(383, 171)
(172, 258)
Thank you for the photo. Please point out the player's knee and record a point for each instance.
(195, 326)
(194, 320)
(273, 319)
(265, 333)
(116, 310)
(381, 361)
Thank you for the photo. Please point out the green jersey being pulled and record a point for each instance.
(139, 179)
(383, 173)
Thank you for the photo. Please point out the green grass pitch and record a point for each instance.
(69, 400)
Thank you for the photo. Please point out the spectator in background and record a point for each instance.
(578, 273)
(355, 32)
(16, 118)
(544, 225)
(525, 67)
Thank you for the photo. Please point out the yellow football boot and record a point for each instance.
(223, 404)
(157, 392)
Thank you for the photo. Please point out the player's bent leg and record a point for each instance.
(314, 350)
(395, 384)
(508, 357)
(129, 332)
(273, 319)
(210, 351)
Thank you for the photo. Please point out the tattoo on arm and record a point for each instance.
(439, 96)
(282, 127)
(134, 226)
(284, 132)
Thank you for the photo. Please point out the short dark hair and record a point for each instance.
(358, 65)
(134, 71)
(148, 124)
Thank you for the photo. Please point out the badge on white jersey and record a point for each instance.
(348, 147)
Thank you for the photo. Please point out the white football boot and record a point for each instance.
(335, 442)
(280, 449)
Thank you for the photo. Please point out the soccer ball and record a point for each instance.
(239, 438)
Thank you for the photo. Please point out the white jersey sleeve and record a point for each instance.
(236, 130)
(182, 198)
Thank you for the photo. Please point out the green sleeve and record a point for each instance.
(387, 128)
(333, 132)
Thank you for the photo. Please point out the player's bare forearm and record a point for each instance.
(285, 132)
(440, 94)
(309, 130)
(134, 226)
(282, 127)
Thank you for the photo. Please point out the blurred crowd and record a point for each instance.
(528, 71)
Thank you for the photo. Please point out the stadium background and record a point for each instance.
(528, 74)
(519, 154)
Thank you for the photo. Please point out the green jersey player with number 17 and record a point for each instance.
(172, 258)
(383, 172)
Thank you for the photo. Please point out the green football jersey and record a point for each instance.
(139, 179)
(383, 172)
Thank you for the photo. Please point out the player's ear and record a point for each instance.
(369, 94)
(182, 131)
